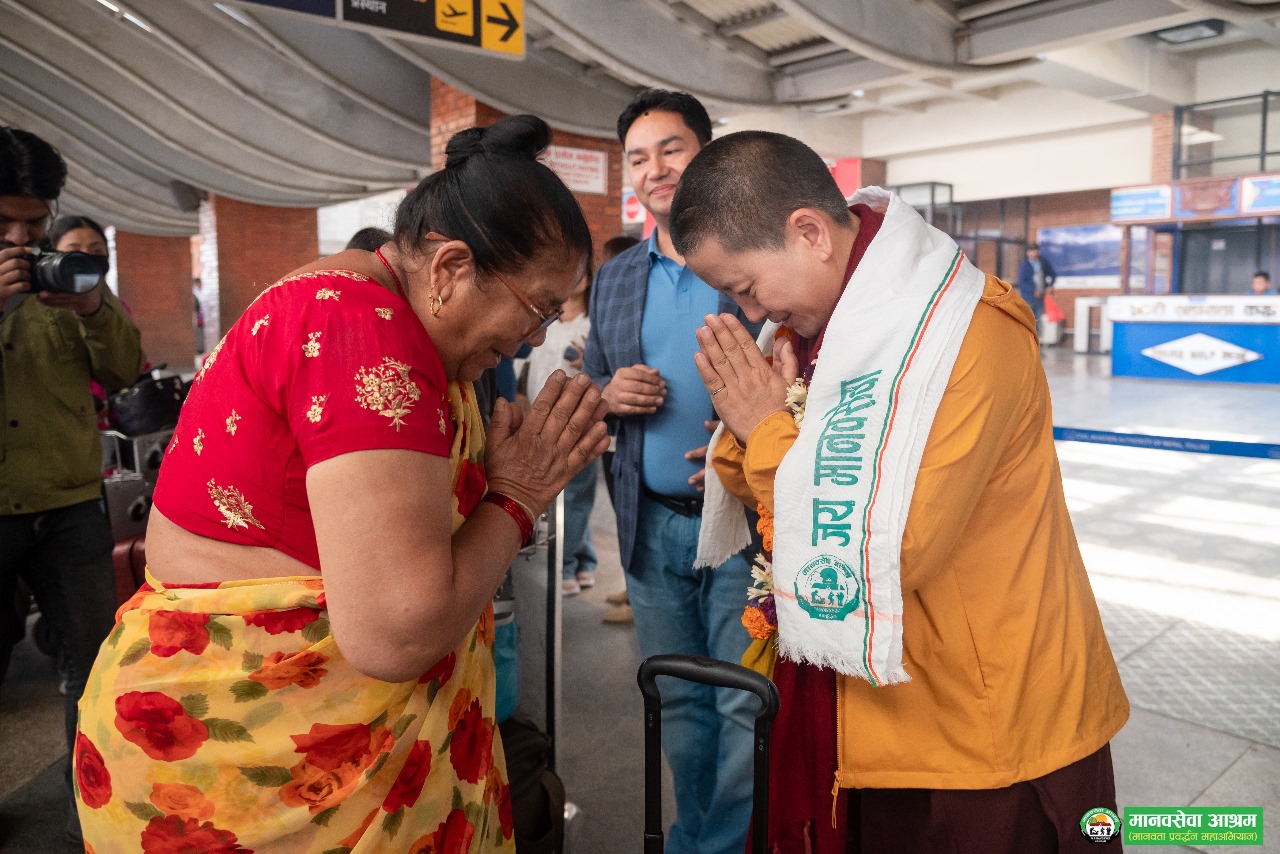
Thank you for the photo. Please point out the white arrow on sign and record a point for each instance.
(1201, 354)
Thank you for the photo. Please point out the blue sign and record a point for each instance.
(1141, 203)
(327, 8)
(1197, 352)
(1260, 195)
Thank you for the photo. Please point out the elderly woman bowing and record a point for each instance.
(309, 666)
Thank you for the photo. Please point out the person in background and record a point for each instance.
(619, 612)
(309, 665)
(1261, 284)
(1036, 277)
(70, 233)
(54, 532)
(645, 308)
(563, 351)
(370, 239)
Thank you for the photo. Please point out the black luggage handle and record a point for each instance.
(720, 674)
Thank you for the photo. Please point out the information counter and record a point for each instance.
(1217, 338)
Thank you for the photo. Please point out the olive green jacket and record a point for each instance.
(50, 451)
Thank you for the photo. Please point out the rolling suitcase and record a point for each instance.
(719, 674)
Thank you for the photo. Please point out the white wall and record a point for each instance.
(1083, 160)
(338, 222)
(1246, 71)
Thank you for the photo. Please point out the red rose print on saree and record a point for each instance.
(92, 775)
(174, 631)
(159, 725)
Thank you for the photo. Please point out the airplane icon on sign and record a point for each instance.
(451, 12)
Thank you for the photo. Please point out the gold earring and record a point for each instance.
(435, 302)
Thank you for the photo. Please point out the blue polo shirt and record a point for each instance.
(674, 307)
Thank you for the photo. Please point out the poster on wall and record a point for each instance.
(1206, 198)
(1084, 256)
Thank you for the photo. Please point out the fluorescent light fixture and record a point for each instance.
(115, 10)
(1192, 135)
(1193, 32)
(228, 11)
(136, 21)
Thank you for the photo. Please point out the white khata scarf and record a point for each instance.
(842, 492)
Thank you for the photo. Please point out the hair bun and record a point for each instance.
(523, 136)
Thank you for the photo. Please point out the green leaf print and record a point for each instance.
(219, 634)
(135, 652)
(444, 745)
(317, 630)
(402, 725)
(144, 811)
(251, 661)
(246, 690)
(262, 714)
(196, 705)
(457, 798)
(221, 729)
(268, 776)
(377, 766)
(475, 813)
(432, 690)
(380, 720)
(391, 824)
(114, 637)
(322, 818)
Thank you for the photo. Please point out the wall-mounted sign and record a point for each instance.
(1260, 194)
(1183, 308)
(489, 25)
(1142, 203)
(632, 211)
(581, 169)
(1206, 198)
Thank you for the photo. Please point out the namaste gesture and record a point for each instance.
(745, 388)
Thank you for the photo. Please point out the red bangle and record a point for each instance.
(517, 511)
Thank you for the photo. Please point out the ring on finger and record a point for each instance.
(717, 391)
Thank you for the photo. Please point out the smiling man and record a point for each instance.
(646, 306)
(938, 650)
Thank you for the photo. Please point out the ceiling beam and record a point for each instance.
(1033, 30)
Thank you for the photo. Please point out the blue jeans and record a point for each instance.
(579, 500)
(706, 732)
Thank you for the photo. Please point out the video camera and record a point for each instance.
(66, 272)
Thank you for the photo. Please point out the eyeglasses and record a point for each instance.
(543, 320)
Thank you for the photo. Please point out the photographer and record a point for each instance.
(52, 525)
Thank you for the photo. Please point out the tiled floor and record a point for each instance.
(1183, 552)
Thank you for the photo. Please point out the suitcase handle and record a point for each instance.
(720, 674)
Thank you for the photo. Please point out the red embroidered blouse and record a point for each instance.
(319, 365)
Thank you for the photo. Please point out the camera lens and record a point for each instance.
(67, 272)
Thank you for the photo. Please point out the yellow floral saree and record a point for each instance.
(224, 718)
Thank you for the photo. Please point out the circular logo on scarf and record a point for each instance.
(1100, 825)
(827, 588)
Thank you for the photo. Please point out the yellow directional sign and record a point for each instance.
(456, 16)
(502, 25)
(490, 26)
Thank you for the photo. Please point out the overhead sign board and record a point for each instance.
(1141, 203)
(1260, 194)
(492, 26)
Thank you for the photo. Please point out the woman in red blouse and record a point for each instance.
(309, 666)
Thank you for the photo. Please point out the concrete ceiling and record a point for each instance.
(155, 101)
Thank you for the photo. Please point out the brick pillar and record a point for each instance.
(453, 110)
(246, 247)
(155, 281)
(1162, 148)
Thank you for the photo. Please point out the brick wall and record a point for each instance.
(155, 280)
(1162, 148)
(453, 110)
(255, 246)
